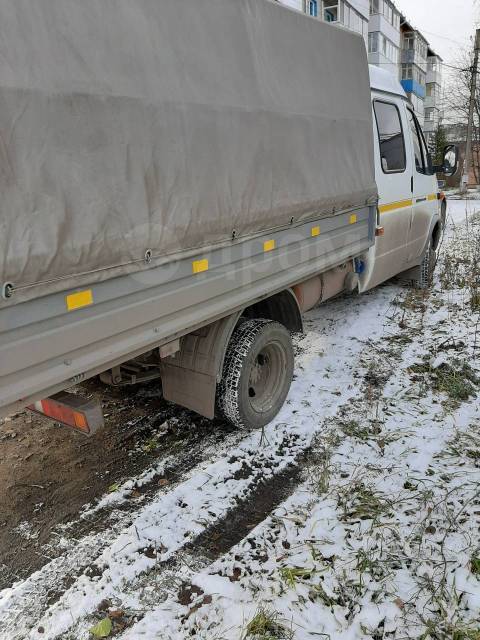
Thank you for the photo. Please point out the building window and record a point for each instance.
(408, 42)
(419, 75)
(352, 19)
(390, 136)
(434, 65)
(388, 10)
(412, 72)
(378, 43)
(430, 114)
(312, 8)
(412, 42)
(330, 10)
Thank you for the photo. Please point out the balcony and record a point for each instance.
(411, 56)
(432, 118)
(407, 56)
(434, 76)
(411, 86)
(378, 22)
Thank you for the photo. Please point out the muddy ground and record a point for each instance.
(49, 472)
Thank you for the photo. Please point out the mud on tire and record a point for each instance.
(257, 373)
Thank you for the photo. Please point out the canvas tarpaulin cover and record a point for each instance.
(128, 125)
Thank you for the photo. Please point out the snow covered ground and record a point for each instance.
(356, 514)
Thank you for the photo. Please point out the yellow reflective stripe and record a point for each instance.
(199, 266)
(392, 206)
(79, 300)
(432, 196)
(269, 245)
(353, 218)
(315, 232)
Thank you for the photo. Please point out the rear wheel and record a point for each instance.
(257, 373)
(426, 269)
(443, 214)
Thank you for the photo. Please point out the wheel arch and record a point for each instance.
(282, 307)
(190, 377)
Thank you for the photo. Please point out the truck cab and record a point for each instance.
(411, 211)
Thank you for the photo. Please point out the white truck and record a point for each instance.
(179, 184)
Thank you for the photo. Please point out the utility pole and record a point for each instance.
(473, 96)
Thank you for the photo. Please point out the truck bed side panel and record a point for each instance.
(44, 347)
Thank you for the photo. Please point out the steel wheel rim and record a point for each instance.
(266, 376)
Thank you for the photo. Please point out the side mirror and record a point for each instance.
(450, 161)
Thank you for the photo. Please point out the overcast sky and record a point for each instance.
(442, 19)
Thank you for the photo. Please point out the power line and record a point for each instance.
(437, 35)
(443, 64)
(450, 66)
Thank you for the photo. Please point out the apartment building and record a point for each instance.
(393, 44)
(353, 14)
(413, 70)
(434, 95)
(384, 35)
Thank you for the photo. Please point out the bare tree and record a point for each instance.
(457, 100)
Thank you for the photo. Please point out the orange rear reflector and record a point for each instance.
(80, 421)
(72, 411)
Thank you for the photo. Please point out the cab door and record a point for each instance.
(393, 175)
(425, 205)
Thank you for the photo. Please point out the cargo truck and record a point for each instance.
(180, 184)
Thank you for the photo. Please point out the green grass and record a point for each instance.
(475, 300)
(319, 462)
(360, 502)
(460, 264)
(436, 632)
(466, 634)
(464, 444)
(321, 479)
(319, 592)
(456, 379)
(267, 625)
(291, 575)
(353, 429)
(475, 565)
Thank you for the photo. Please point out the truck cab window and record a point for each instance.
(423, 162)
(390, 135)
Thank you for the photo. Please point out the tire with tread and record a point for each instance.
(427, 267)
(256, 341)
(443, 214)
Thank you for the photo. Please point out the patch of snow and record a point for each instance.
(356, 557)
